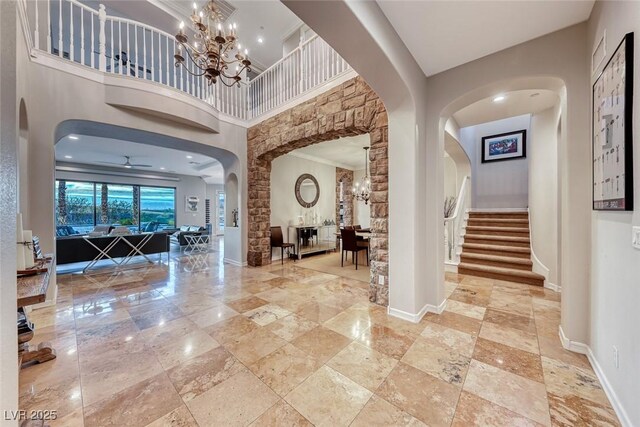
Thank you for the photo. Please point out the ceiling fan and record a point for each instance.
(127, 164)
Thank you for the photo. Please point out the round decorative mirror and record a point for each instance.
(307, 190)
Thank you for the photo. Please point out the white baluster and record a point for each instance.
(83, 60)
(135, 42)
(153, 73)
(113, 57)
(93, 45)
(174, 68)
(71, 52)
(60, 46)
(49, 26)
(128, 51)
(36, 33)
(166, 58)
(120, 67)
(144, 53)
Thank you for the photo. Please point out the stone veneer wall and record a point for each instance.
(351, 108)
(345, 176)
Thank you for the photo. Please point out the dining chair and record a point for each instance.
(277, 241)
(351, 244)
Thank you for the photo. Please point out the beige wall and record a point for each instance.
(543, 191)
(615, 265)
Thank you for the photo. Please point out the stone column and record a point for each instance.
(344, 176)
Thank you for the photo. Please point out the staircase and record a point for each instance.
(497, 246)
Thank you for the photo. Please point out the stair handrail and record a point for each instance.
(461, 195)
(453, 223)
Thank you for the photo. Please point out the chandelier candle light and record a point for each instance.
(362, 190)
(212, 52)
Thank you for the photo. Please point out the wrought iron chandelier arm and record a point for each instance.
(188, 49)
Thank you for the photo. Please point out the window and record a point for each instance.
(157, 208)
(115, 205)
(75, 207)
(82, 205)
(220, 212)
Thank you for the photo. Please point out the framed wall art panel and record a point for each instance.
(504, 146)
(612, 122)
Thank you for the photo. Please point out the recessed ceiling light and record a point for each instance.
(499, 98)
(68, 157)
(162, 168)
(189, 157)
(127, 166)
(75, 138)
(260, 40)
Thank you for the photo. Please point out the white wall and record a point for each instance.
(285, 208)
(501, 184)
(615, 265)
(362, 214)
(186, 186)
(451, 184)
(543, 191)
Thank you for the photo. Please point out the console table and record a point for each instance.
(319, 238)
(32, 290)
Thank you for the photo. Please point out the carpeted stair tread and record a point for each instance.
(489, 228)
(501, 273)
(498, 258)
(497, 248)
(498, 238)
(497, 221)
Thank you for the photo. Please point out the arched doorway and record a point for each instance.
(228, 164)
(352, 108)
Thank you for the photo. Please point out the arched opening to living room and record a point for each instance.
(118, 181)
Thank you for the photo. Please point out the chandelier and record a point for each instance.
(362, 189)
(215, 50)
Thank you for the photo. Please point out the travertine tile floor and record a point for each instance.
(197, 342)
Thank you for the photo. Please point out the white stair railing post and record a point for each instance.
(36, 33)
(102, 39)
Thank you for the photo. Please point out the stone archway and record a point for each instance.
(349, 109)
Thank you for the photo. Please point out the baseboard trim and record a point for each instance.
(553, 286)
(582, 348)
(416, 318)
(451, 267)
(575, 346)
(234, 262)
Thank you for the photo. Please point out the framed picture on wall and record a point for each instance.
(192, 204)
(612, 119)
(504, 146)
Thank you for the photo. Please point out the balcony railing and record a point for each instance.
(114, 45)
